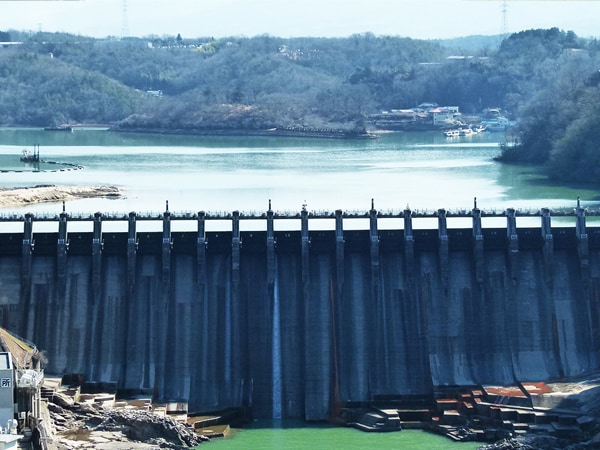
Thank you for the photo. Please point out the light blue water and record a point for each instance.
(425, 171)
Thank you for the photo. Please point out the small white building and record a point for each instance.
(8, 436)
(7, 386)
(444, 115)
(21, 379)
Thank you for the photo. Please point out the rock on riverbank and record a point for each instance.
(77, 425)
(22, 196)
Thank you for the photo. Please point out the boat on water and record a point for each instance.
(31, 156)
(465, 131)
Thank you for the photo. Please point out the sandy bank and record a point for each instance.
(22, 196)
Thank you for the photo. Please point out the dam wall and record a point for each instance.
(297, 323)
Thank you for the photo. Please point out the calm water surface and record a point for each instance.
(425, 171)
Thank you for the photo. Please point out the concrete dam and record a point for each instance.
(296, 323)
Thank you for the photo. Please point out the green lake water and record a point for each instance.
(295, 435)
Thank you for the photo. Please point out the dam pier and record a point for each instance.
(303, 321)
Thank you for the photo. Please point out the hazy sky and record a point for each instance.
(420, 19)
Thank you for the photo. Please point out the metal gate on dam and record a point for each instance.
(295, 323)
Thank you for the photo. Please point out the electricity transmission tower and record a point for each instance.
(504, 9)
(124, 22)
(503, 17)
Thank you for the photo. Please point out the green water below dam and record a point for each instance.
(297, 435)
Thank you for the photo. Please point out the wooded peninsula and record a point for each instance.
(546, 80)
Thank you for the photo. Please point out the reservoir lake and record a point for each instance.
(421, 171)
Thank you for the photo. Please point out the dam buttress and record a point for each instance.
(299, 322)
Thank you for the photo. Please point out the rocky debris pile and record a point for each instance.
(536, 443)
(94, 426)
(586, 440)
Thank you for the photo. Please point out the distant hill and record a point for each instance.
(473, 44)
(205, 85)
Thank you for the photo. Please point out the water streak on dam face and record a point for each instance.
(298, 323)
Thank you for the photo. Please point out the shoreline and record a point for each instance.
(273, 132)
(23, 196)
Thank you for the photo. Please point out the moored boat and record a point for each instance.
(31, 156)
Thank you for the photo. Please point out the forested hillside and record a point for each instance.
(236, 82)
(559, 106)
(548, 79)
